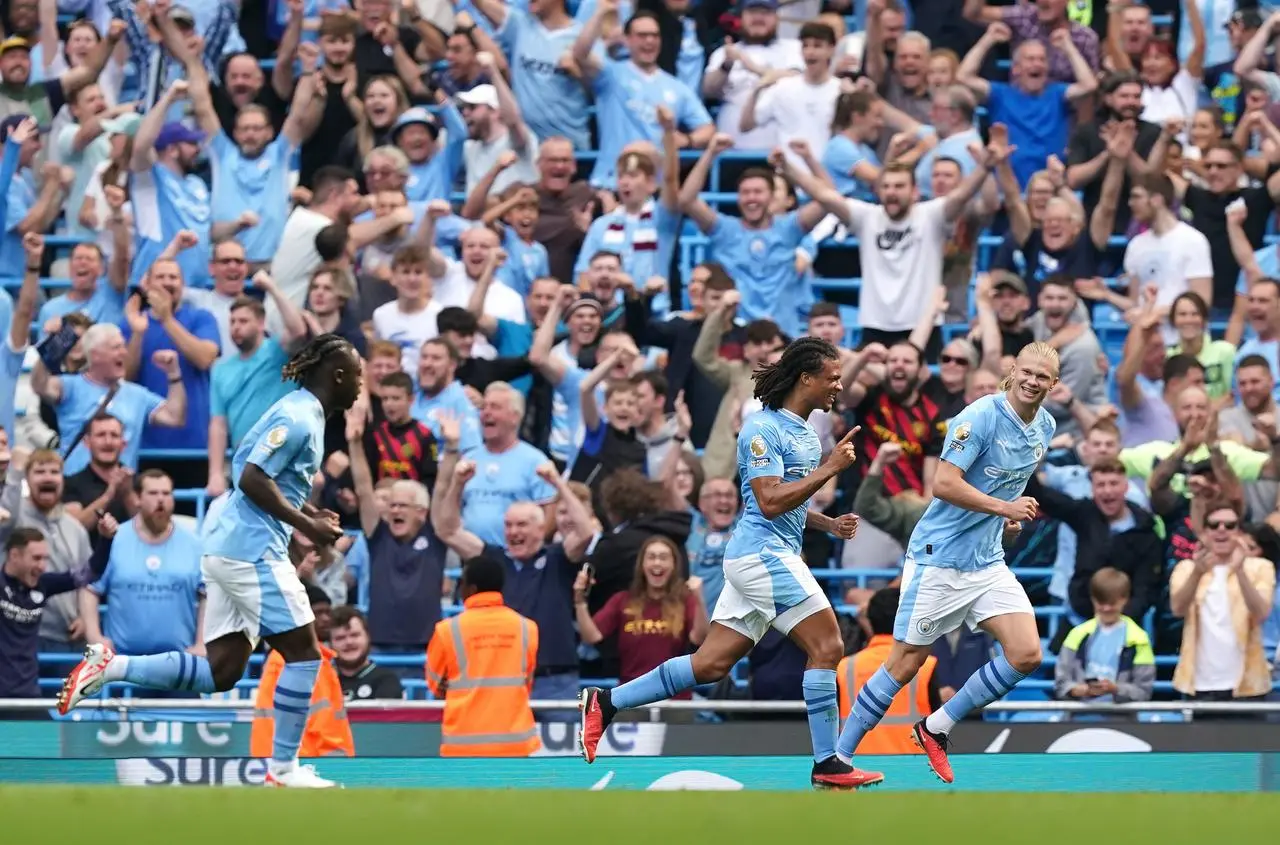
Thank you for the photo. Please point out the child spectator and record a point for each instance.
(411, 320)
(1107, 658)
(525, 259)
(609, 443)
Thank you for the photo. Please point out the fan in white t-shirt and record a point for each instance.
(1170, 255)
(410, 320)
(799, 107)
(901, 241)
(734, 70)
(458, 281)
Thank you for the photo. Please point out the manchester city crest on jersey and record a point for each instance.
(1039, 452)
(152, 562)
(963, 430)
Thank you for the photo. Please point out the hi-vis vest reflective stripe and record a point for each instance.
(910, 705)
(327, 734)
(486, 715)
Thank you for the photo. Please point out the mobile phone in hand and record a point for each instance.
(53, 350)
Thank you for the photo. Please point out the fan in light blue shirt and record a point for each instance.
(20, 197)
(642, 231)
(243, 387)
(450, 399)
(99, 300)
(502, 478)
(252, 172)
(758, 250)
(432, 171)
(629, 93)
(843, 159)
(79, 398)
(954, 147)
(153, 584)
(553, 102)
(167, 198)
(526, 260)
(1268, 261)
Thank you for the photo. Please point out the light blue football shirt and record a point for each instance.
(105, 306)
(243, 389)
(841, 155)
(565, 437)
(551, 101)
(501, 480)
(163, 205)
(772, 444)
(452, 399)
(953, 147)
(434, 178)
(133, 405)
(1268, 349)
(288, 445)
(525, 262)
(153, 590)
(260, 185)
(997, 452)
(644, 241)
(627, 101)
(10, 371)
(763, 264)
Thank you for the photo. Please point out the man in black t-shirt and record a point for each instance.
(105, 485)
(1206, 209)
(1087, 154)
(382, 48)
(359, 676)
(342, 99)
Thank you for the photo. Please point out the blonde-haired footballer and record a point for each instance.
(955, 572)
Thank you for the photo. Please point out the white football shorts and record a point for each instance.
(260, 599)
(770, 588)
(936, 600)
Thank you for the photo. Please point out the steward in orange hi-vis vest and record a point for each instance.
(328, 732)
(910, 705)
(481, 662)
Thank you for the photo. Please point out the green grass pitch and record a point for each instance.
(240, 816)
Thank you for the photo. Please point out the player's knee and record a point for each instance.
(225, 675)
(710, 668)
(825, 653)
(1025, 657)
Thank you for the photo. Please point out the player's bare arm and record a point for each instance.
(950, 486)
(261, 489)
(776, 497)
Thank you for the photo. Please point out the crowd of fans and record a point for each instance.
(487, 200)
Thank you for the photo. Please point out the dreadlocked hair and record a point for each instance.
(803, 356)
(311, 355)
